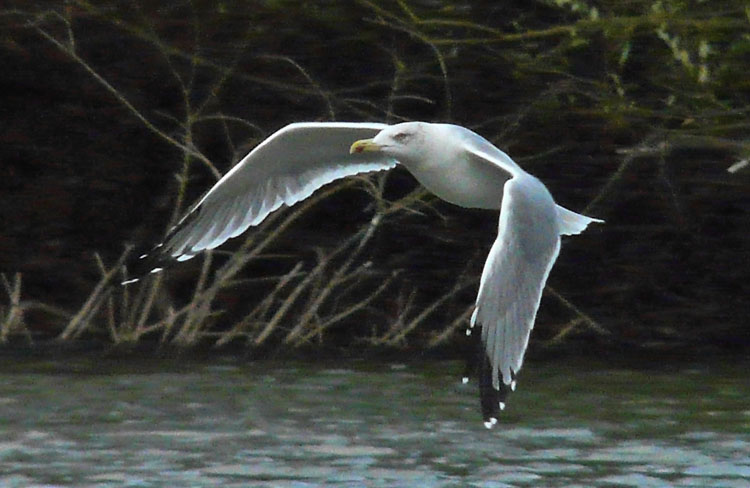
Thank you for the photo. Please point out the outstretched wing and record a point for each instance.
(527, 244)
(284, 169)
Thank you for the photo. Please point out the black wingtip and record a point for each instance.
(159, 257)
(491, 400)
(142, 264)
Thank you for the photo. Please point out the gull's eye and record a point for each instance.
(401, 137)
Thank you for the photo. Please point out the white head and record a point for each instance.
(404, 142)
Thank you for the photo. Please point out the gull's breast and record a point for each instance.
(463, 182)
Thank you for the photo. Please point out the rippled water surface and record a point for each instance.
(124, 423)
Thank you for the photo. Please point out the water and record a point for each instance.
(101, 423)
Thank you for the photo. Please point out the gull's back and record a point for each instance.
(444, 162)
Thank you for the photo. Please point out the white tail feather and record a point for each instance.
(572, 223)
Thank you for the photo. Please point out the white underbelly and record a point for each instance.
(466, 184)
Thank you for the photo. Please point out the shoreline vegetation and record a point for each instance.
(121, 115)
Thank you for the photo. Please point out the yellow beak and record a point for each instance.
(364, 145)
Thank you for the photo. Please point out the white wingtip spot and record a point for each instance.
(468, 332)
(738, 165)
(488, 425)
(464, 380)
(513, 385)
(501, 405)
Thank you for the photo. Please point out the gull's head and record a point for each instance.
(401, 141)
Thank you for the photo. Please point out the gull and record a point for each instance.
(451, 161)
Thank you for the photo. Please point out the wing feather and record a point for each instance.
(514, 275)
(283, 170)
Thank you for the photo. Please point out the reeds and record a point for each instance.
(427, 56)
(305, 300)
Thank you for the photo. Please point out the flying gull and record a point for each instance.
(452, 162)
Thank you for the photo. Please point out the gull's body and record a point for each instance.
(452, 162)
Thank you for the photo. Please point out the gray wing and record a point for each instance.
(527, 245)
(284, 169)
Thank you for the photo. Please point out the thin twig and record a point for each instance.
(68, 50)
(317, 330)
(585, 318)
(14, 316)
(260, 309)
(336, 278)
(395, 337)
(447, 332)
(79, 322)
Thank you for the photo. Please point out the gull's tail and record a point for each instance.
(572, 223)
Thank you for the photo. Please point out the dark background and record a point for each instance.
(631, 112)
